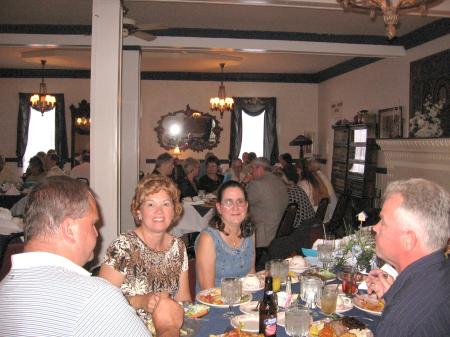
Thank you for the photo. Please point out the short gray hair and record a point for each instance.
(53, 200)
(189, 164)
(425, 207)
(261, 161)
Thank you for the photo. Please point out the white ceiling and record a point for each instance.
(245, 15)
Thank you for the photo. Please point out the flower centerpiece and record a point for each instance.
(357, 249)
(427, 123)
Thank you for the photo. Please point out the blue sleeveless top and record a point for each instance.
(230, 261)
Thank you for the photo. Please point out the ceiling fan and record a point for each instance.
(130, 27)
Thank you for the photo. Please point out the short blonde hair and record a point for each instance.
(152, 184)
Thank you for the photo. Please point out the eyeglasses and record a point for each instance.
(229, 203)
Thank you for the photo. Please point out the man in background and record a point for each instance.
(84, 169)
(48, 293)
(267, 199)
(52, 161)
(164, 165)
(412, 236)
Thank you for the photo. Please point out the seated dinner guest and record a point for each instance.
(189, 186)
(412, 237)
(53, 169)
(35, 171)
(164, 165)
(148, 262)
(7, 175)
(48, 293)
(235, 171)
(227, 246)
(211, 181)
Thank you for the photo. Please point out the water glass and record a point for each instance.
(328, 299)
(310, 290)
(201, 194)
(298, 319)
(325, 254)
(230, 292)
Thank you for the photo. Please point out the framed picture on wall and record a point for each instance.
(390, 122)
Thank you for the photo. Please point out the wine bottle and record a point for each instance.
(268, 311)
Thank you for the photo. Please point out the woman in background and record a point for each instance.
(312, 184)
(147, 260)
(189, 186)
(227, 246)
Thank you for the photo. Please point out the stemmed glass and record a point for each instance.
(325, 254)
(230, 292)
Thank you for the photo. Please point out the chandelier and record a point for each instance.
(390, 9)
(221, 103)
(42, 101)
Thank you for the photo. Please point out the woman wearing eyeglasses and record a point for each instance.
(227, 246)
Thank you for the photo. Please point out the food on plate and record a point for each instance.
(212, 296)
(341, 327)
(369, 302)
(323, 274)
(297, 262)
(236, 332)
(196, 310)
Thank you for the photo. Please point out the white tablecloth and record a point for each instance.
(191, 221)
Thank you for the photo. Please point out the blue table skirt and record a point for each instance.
(215, 324)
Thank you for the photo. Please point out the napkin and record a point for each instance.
(386, 268)
(309, 252)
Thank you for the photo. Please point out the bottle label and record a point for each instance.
(270, 326)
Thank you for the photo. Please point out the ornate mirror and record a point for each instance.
(188, 129)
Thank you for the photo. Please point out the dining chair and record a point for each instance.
(286, 225)
(322, 209)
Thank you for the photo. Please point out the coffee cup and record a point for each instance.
(251, 281)
(343, 302)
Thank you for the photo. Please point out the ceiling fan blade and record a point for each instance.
(152, 26)
(144, 36)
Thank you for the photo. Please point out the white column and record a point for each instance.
(129, 134)
(106, 59)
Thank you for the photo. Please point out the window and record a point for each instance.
(252, 134)
(41, 134)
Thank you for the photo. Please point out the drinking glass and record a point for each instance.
(278, 269)
(325, 254)
(328, 299)
(230, 292)
(298, 319)
(201, 194)
(310, 290)
(349, 277)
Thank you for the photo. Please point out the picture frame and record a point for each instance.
(390, 123)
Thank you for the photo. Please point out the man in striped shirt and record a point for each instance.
(411, 236)
(48, 293)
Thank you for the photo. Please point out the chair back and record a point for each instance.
(337, 218)
(286, 226)
(322, 209)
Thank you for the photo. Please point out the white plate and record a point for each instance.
(319, 324)
(250, 322)
(357, 301)
(246, 322)
(249, 308)
(215, 292)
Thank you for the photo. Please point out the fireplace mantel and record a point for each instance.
(427, 158)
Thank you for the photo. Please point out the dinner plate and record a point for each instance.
(360, 301)
(250, 322)
(212, 298)
(249, 308)
(317, 326)
(246, 322)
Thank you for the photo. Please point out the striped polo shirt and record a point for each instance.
(48, 295)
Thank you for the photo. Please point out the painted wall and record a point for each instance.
(382, 84)
(296, 111)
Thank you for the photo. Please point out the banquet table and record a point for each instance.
(215, 324)
(193, 219)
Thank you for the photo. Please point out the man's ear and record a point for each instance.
(409, 240)
(69, 229)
